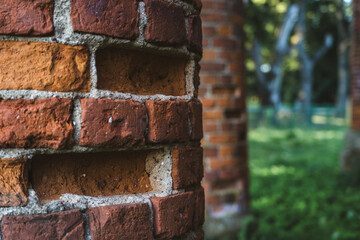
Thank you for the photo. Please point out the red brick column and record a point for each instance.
(100, 125)
(222, 92)
(351, 154)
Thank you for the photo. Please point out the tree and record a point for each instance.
(273, 85)
(307, 63)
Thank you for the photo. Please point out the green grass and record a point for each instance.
(296, 189)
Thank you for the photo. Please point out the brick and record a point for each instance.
(213, 114)
(168, 121)
(187, 167)
(121, 222)
(212, 67)
(195, 33)
(43, 123)
(196, 79)
(140, 73)
(112, 123)
(173, 215)
(23, 17)
(67, 225)
(44, 66)
(223, 138)
(13, 182)
(194, 235)
(208, 102)
(209, 55)
(166, 23)
(199, 215)
(196, 120)
(108, 17)
(90, 174)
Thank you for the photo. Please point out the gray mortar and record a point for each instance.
(77, 120)
(190, 75)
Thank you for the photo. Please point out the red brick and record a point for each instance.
(196, 120)
(23, 17)
(109, 17)
(112, 123)
(212, 67)
(187, 166)
(166, 23)
(120, 222)
(67, 225)
(168, 121)
(13, 182)
(195, 33)
(43, 123)
(199, 215)
(173, 215)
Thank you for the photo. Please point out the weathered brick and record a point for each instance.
(67, 225)
(140, 73)
(194, 235)
(90, 174)
(168, 121)
(196, 120)
(173, 215)
(13, 182)
(109, 17)
(195, 33)
(199, 215)
(44, 66)
(166, 23)
(121, 222)
(112, 123)
(187, 166)
(42, 123)
(23, 17)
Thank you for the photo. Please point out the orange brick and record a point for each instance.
(224, 31)
(212, 115)
(44, 66)
(207, 102)
(209, 127)
(209, 55)
(223, 138)
(216, 164)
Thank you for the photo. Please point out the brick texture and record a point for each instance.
(195, 34)
(13, 182)
(90, 174)
(166, 23)
(109, 17)
(121, 222)
(173, 215)
(196, 120)
(140, 73)
(67, 225)
(43, 123)
(112, 123)
(23, 17)
(168, 121)
(44, 66)
(187, 166)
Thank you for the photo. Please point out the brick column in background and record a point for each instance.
(222, 92)
(100, 124)
(351, 155)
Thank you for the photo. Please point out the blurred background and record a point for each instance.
(297, 70)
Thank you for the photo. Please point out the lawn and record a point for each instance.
(296, 188)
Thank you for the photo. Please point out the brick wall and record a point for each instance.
(222, 92)
(100, 125)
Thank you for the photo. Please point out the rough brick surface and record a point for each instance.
(199, 215)
(166, 23)
(195, 33)
(43, 123)
(121, 222)
(90, 174)
(196, 120)
(140, 73)
(112, 123)
(187, 166)
(173, 215)
(68, 225)
(13, 182)
(23, 17)
(109, 17)
(44, 66)
(168, 121)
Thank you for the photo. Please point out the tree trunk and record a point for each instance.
(343, 78)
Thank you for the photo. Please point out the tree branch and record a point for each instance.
(328, 42)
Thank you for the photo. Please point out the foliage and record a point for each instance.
(296, 189)
(263, 19)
